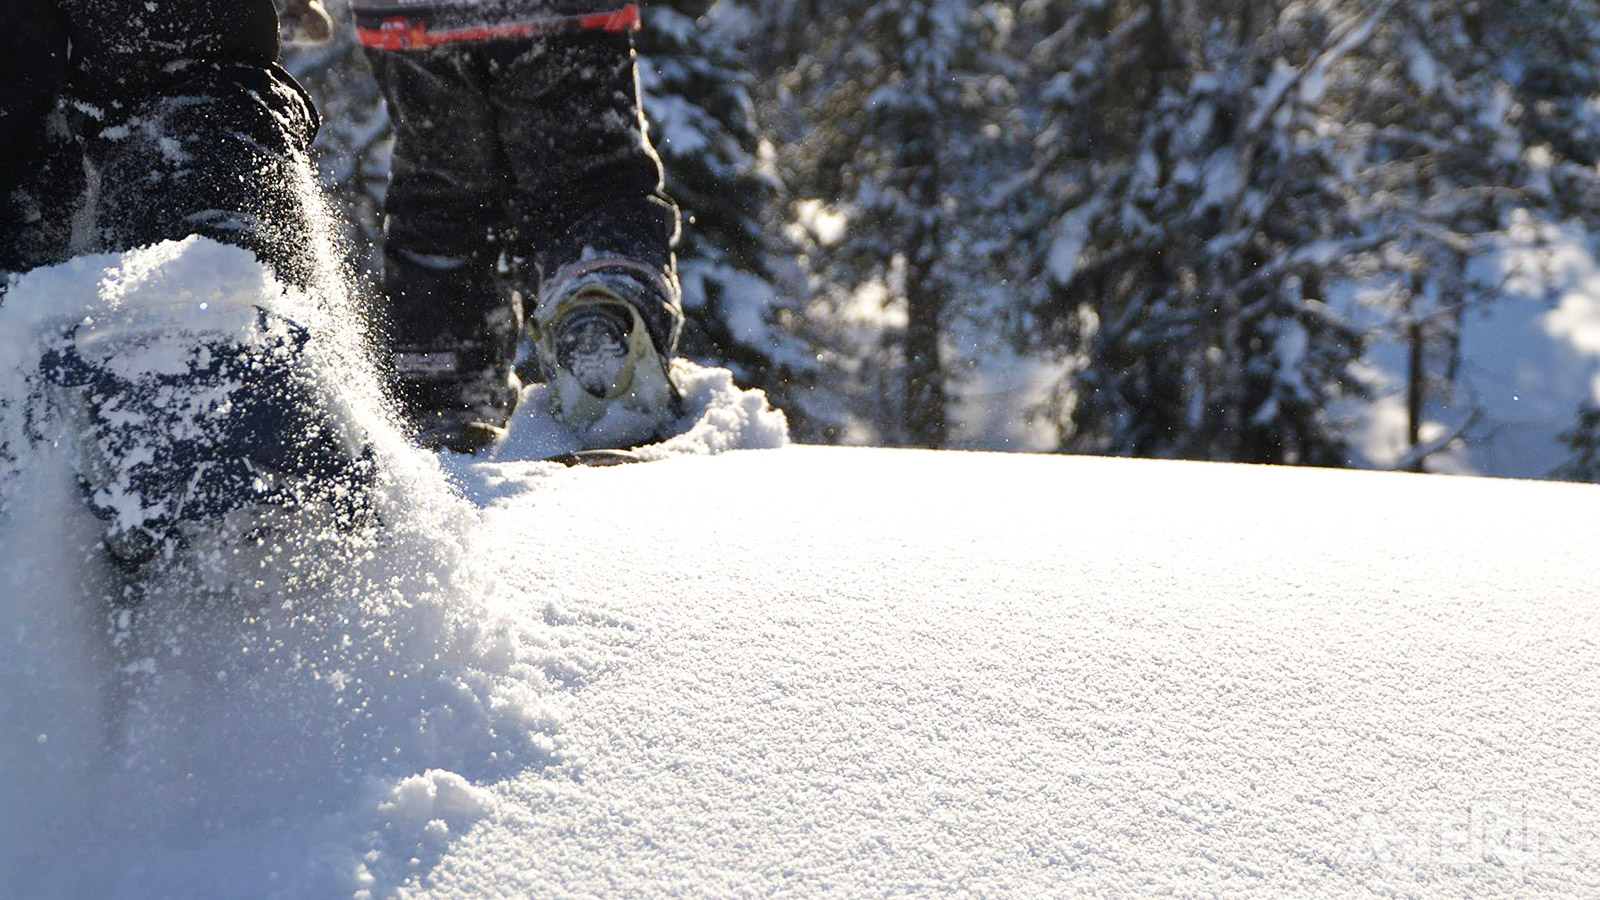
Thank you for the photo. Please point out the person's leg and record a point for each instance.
(226, 157)
(40, 175)
(452, 331)
(595, 227)
(588, 183)
(195, 128)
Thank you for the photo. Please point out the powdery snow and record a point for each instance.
(826, 672)
(919, 674)
(718, 416)
(259, 726)
(815, 672)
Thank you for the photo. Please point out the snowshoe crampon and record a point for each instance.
(177, 430)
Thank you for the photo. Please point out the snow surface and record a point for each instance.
(817, 672)
(920, 674)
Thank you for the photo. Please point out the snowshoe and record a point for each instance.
(459, 431)
(596, 458)
(176, 430)
(608, 380)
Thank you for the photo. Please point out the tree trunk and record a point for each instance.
(1415, 393)
(925, 300)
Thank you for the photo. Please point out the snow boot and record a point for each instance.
(452, 338)
(456, 398)
(608, 380)
(472, 418)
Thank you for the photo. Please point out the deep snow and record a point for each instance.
(812, 672)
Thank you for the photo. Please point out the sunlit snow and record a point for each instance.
(809, 672)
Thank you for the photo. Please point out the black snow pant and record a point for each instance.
(527, 153)
(177, 112)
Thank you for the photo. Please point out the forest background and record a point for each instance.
(1321, 232)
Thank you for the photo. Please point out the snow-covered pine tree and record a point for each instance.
(1425, 108)
(1549, 54)
(1582, 441)
(1478, 124)
(885, 105)
(1196, 218)
(1210, 167)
